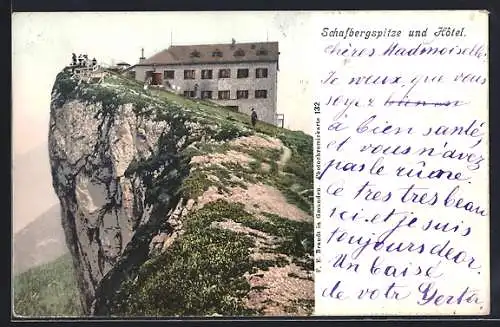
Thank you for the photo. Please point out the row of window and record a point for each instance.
(226, 95)
(208, 73)
(238, 53)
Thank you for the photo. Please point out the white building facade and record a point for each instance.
(239, 76)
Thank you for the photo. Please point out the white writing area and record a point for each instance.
(401, 163)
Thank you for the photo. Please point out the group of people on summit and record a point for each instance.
(82, 61)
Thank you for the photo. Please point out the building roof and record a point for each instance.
(122, 63)
(215, 53)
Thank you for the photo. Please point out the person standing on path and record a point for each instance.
(254, 117)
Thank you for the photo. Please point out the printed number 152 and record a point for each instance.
(316, 107)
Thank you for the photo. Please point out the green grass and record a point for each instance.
(201, 274)
(266, 264)
(47, 290)
(297, 235)
(295, 181)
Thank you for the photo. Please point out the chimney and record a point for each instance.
(233, 42)
(141, 59)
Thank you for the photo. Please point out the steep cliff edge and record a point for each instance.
(178, 207)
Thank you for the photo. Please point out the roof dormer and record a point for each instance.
(217, 53)
(239, 53)
(195, 54)
(262, 52)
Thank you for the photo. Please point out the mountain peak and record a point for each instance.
(174, 206)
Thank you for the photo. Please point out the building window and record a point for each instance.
(189, 74)
(224, 73)
(206, 74)
(261, 73)
(131, 74)
(242, 73)
(168, 74)
(224, 95)
(189, 94)
(149, 74)
(260, 94)
(242, 94)
(206, 94)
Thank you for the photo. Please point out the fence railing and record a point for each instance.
(89, 73)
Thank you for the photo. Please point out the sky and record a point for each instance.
(42, 44)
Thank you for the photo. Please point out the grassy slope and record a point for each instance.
(202, 273)
(47, 290)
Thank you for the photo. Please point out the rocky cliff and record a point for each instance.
(178, 207)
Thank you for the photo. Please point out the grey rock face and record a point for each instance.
(90, 151)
